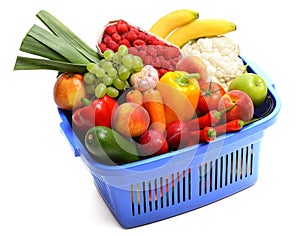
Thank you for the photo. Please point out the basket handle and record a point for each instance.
(68, 132)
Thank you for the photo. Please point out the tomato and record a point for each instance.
(210, 94)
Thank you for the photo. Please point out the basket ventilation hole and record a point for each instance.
(225, 170)
(161, 192)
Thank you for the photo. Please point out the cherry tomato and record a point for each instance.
(210, 94)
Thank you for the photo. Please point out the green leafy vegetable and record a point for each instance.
(59, 48)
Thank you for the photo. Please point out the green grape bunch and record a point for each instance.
(111, 75)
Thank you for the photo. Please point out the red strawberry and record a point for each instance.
(159, 50)
(147, 60)
(131, 36)
(156, 62)
(110, 29)
(142, 54)
(102, 47)
(121, 27)
(125, 42)
(138, 42)
(112, 45)
(106, 38)
(141, 35)
(133, 51)
(151, 39)
(151, 51)
(116, 37)
(161, 72)
(166, 64)
(175, 61)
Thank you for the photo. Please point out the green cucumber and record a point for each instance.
(109, 147)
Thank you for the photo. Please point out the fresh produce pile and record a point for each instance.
(141, 93)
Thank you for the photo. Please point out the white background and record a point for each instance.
(45, 190)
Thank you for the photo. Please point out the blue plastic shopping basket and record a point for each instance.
(173, 183)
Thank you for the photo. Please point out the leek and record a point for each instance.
(33, 46)
(58, 44)
(59, 29)
(59, 48)
(27, 63)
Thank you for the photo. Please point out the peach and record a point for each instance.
(68, 91)
(130, 119)
(193, 64)
(243, 109)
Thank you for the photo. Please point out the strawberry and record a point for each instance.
(150, 39)
(133, 51)
(174, 61)
(116, 37)
(121, 27)
(131, 36)
(161, 72)
(141, 35)
(110, 29)
(125, 42)
(102, 47)
(147, 60)
(166, 64)
(156, 62)
(112, 45)
(142, 54)
(106, 38)
(151, 51)
(138, 42)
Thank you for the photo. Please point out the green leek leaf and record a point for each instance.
(33, 46)
(27, 63)
(57, 44)
(59, 29)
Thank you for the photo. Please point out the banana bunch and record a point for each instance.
(180, 26)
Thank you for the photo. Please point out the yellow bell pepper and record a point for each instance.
(180, 92)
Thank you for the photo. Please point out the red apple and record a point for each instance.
(130, 119)
(68, 91)
(178, 134)
(152, 143)
(243, 109)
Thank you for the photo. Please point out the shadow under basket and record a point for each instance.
(176, 182)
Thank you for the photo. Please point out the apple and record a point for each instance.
(152, 143)
(252, 84)
(240, 103)
(193, 64)
(130, 119)
(178, 135)
(68, 91)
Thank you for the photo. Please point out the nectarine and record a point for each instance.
(68, 91)
(243, 109)
(193, 64)
(130, 119)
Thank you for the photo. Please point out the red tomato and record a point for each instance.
(210, 94)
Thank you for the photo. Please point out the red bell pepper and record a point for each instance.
(97, 113)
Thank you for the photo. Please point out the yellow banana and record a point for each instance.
(166, 24)
(200, 28)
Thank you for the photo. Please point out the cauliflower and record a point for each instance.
(221, 56)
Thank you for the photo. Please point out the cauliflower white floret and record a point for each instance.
(221, 56)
